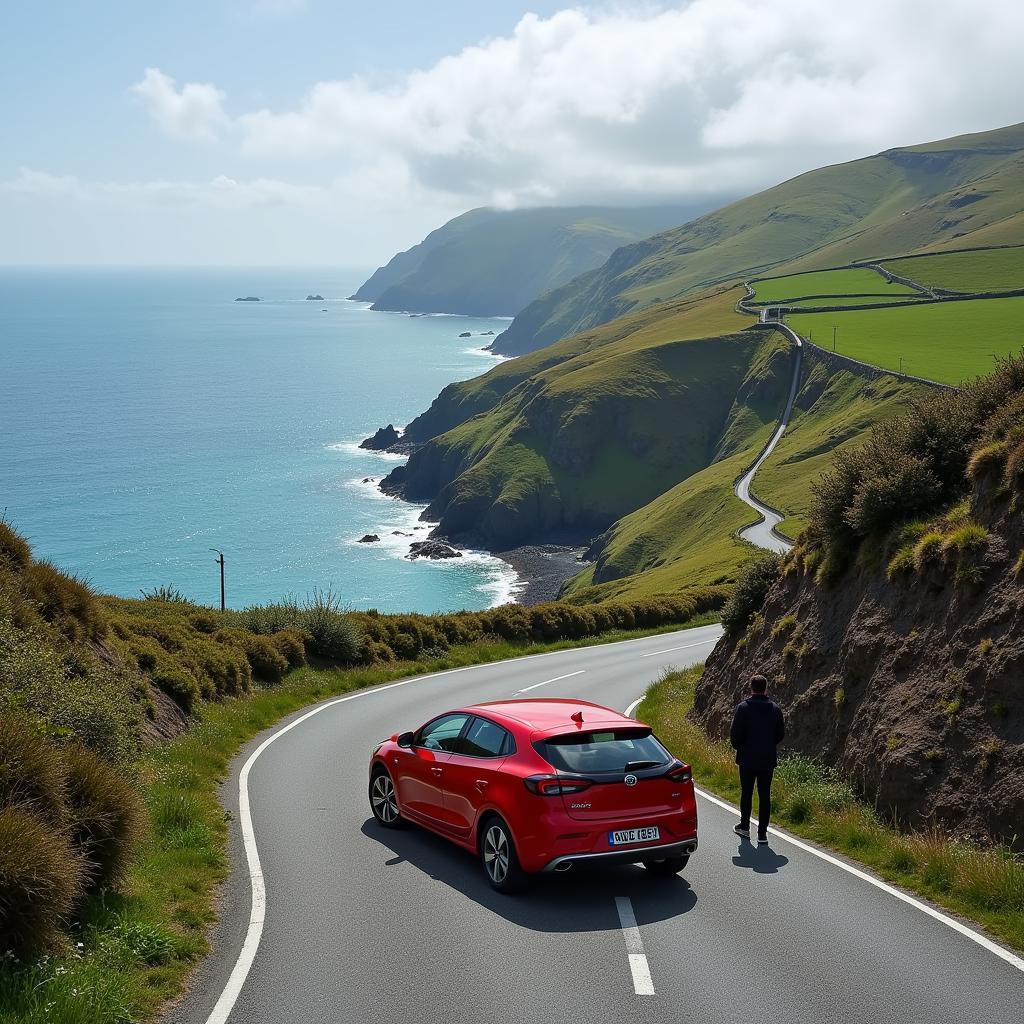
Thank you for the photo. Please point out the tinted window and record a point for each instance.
(442, 733)
(608, 751)
(486, 739)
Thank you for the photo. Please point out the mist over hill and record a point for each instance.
(494, 262)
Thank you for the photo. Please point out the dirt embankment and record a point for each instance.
(913, 687)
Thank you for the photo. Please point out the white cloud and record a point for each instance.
(222, 192)
(194, 112)
(709, 95)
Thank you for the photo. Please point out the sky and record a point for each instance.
(285, 132)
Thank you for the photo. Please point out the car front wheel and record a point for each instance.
(384, 801)
(498, 853)
(667, 865)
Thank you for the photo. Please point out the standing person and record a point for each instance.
(757, 729)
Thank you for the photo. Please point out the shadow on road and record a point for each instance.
(761, 859)
(580, 900)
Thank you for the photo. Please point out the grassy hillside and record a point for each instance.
(687, 535)
(494, 262)
(842, 282)
(973, 271)
(945, 341)
(901, 200)
(580, 442)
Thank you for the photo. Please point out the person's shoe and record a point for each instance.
(742, 830)
(762, 839)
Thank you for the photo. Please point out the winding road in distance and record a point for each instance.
(367, 925)
(763, 533)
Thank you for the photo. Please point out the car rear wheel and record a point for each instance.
(498, 853)
(384, 801)
(667, 866)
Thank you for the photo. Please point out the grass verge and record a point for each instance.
(983, 884)
(132, 952)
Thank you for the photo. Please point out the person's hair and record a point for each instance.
(758, 684)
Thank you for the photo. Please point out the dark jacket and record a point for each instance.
(757, 729)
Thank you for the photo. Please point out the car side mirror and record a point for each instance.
(405, 740)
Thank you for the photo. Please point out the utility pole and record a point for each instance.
(834, 329)
(220, 561)
(901, 364)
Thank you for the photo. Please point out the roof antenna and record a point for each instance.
(577, 717)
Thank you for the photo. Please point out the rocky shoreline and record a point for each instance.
(542, 568)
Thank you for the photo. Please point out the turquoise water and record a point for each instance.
(147, 417)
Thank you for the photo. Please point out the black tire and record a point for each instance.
(384, 800)
(667, 866)
(499, 858)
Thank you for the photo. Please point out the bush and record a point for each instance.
(918, 463)
(40, 880)
(106, 816)
(65, 602)
(32, 772)
(97, 703)
(333, 634)
(291, 645)
(14, 550)
(265, 660)
(928, 550)
(752, 586)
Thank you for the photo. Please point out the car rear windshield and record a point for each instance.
(605, 751)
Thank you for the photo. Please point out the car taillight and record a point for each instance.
(555, 785)
(681, 773)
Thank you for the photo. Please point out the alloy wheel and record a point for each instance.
(496, 854)
(382, 797)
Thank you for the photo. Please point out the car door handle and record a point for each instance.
(437, 771)
(481, 784)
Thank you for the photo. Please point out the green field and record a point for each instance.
(852, 300)
(986, 270)
(948, 342)
(847, 281)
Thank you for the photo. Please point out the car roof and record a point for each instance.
(551, 715)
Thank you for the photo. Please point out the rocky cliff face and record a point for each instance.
(560, 458)
(912, 686)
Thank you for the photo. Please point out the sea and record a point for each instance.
(146, 417)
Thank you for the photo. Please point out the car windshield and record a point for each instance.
(606, 751)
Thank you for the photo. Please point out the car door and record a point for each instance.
(419, 774)
(473, 770)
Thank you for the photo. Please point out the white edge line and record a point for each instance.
(981, 940)
(229, 995)
(568, 675)
(685, 647)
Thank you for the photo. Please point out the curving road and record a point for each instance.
(366, 925)
(763, 533)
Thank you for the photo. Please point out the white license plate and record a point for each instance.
(626, 836)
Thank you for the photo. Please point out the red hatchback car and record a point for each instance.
(539, 785)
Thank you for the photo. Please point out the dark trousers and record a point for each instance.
(763, 778)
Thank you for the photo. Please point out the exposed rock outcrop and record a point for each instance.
(913, 687)
(435, 549)
(383, 439)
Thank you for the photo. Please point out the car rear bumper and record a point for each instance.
(633, 855)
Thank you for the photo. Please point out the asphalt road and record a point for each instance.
(762, 533)
(368, 925)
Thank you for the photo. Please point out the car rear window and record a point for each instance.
(603, 751)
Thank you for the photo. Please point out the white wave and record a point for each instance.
(486, 353)
(352, 448)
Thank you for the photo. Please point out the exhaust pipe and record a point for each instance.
(566, 865)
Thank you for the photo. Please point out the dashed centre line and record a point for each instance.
(638, 966)
(685, 647)
(568, 675)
